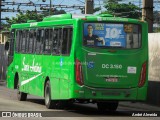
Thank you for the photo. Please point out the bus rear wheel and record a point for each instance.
(48, 102)
(109, 106)
(21, 95)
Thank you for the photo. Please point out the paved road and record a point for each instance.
(9, 102)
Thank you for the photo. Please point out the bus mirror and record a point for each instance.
(6, 46)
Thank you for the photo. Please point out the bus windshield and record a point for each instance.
(112, 35)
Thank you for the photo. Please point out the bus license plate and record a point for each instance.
(112, 79)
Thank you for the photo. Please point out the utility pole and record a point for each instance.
(0, 14)
(147, 13)
(89, 6)
(50, 7)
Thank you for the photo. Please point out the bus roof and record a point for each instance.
(73, 16)
(90, 17)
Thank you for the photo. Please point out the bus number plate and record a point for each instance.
(112, 79)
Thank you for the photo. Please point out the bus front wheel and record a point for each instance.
(48, 102)
(21, 95)
(110, 106)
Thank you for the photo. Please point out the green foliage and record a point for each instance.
(111, 1)
(123, 10)
(29, 15)
(97, 9)
(4, 26)
(156, 30)
(22, 18)
(53, 12)
(56, 12)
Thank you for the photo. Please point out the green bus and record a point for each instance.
(99, 59)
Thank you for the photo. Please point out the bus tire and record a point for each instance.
(48, 102)
(21, 95)
(109, 106)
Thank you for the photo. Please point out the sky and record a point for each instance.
(67, 2)
(54, 2)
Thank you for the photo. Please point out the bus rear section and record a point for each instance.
(113, 65)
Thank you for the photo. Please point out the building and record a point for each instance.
(4, 37)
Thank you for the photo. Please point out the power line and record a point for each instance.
(16, 10)
(81, 1)
(61, 2)
(41, 6)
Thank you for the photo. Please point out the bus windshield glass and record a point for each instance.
(112, 35)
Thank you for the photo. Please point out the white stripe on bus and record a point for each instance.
(30, 79)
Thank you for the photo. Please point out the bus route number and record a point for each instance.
(112, 66)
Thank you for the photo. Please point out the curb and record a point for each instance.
(140, 105)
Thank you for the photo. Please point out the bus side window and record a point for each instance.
(51, 40)
(11, 51)
(23, 43)
(27, 41)
(47, 41)
(67, 40)
(54, 41)
(134, 38)
(56, 50)
(34, 41)
(31, 42)
(20, 41)
(42, 38)
(11, 48)
(17, 40)
(38, 41)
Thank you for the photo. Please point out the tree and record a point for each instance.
(123, 10)
(53, 12)
(30, 15)
(111, 1)
(24, 17)
(4, 26)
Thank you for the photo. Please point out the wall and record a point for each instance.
(154, 69)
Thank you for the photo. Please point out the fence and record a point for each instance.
(3, 62)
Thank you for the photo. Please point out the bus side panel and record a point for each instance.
(55, 86)
(32, 85)
(65, 80)
(75, 90)
(10, 76)
(55, 73)
(39, 73)
(60, 77)
(142, 92)
(22, 62)
(64, 89)
(13, 67)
